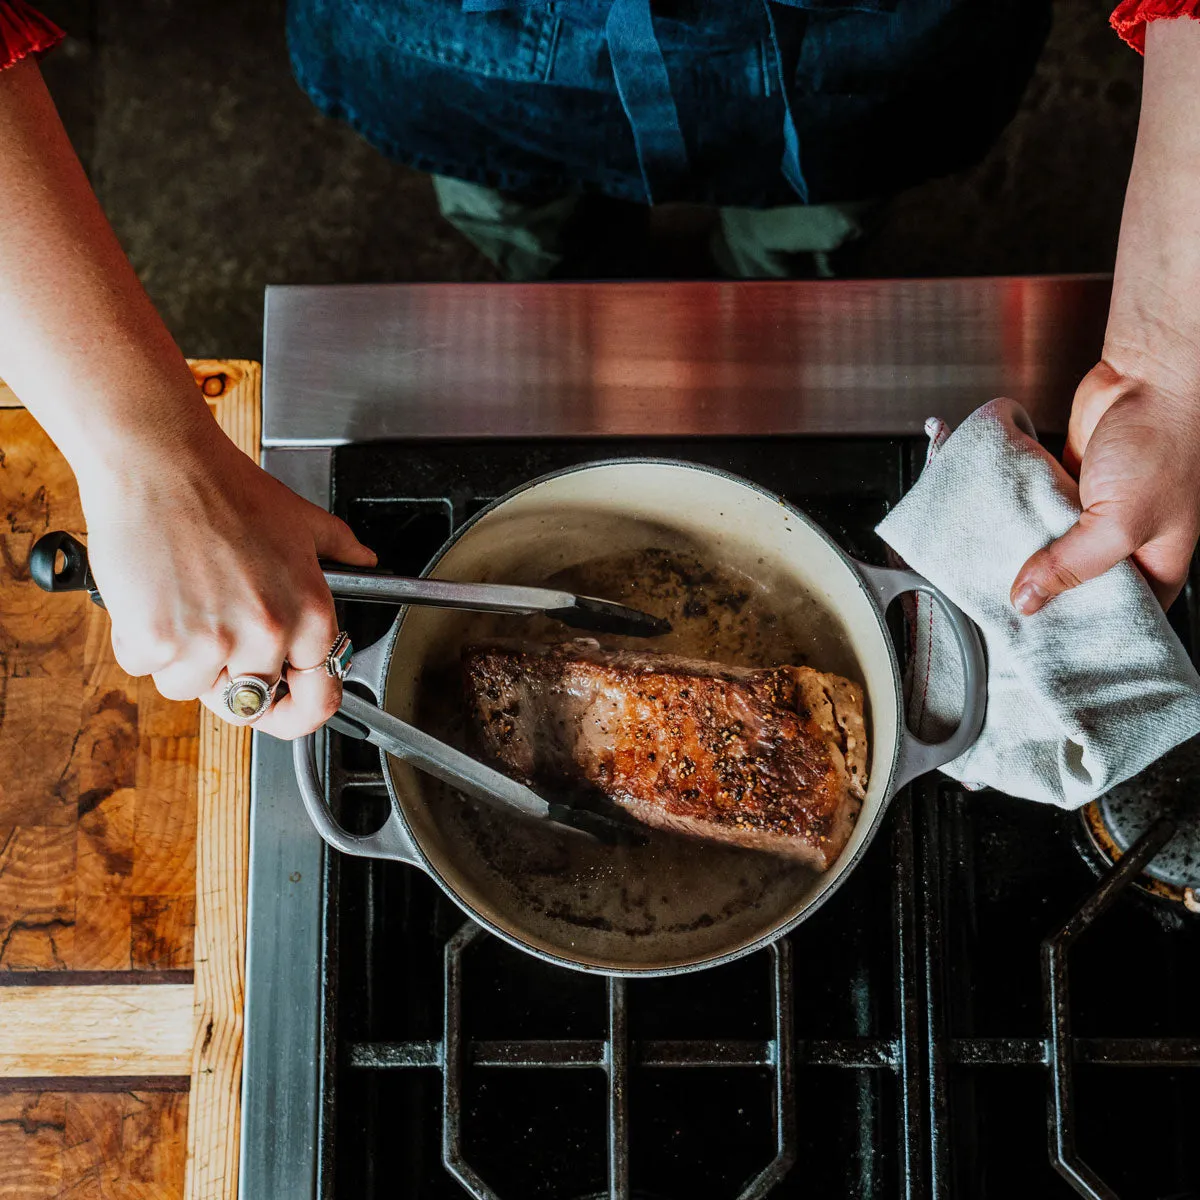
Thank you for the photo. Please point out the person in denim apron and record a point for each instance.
(210, 567)
(789, 116)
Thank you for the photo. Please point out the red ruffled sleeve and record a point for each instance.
(24, 31)
(1130, 17)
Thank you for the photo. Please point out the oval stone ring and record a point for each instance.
(247, 697)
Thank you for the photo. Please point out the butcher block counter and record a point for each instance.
(123, 858)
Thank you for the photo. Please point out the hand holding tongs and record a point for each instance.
(360, 718)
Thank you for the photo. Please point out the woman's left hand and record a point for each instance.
(1135, 448)
(1134, 438)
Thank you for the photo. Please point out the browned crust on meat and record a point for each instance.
(770, 759)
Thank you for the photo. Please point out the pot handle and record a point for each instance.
(916, 756)
(391, 839)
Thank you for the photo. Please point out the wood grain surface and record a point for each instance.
(92, 1146)
(222, 868)
(102, 787)
(108, 1030)
(98, 778)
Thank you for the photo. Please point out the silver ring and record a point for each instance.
(248, 697)
(336, 663)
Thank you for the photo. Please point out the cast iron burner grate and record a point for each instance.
(915, 1038)
(612, 1054)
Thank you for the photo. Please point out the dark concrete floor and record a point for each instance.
(220, 177)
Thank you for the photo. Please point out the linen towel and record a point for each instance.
(1081, 695)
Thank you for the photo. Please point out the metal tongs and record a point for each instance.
(59, 563)
(71, 573)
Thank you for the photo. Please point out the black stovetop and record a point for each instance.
(896, 1044)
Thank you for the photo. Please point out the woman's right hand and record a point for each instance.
(205, 562)
(208, 567)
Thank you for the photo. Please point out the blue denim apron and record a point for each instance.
(750, 103)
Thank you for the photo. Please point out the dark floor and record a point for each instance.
(220, 177)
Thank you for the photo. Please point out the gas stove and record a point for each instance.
(916, 1037)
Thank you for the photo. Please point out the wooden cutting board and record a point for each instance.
(123, 861)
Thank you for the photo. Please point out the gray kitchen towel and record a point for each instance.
(1081, 695)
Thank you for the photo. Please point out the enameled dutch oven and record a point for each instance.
(675, 904)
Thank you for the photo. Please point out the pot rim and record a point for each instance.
(841, 868)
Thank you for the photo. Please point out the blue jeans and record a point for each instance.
(752, 104)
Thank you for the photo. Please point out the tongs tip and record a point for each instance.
(609, 831)
(604, 616)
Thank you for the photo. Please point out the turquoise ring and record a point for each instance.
(336, 663)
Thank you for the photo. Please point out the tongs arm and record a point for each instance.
(579, 612)
(436, 758)
(361, 718)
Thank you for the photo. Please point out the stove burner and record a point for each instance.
(1115, 821)
(917, 1031)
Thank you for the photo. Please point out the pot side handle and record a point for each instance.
(391, 839)
(916, 756)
